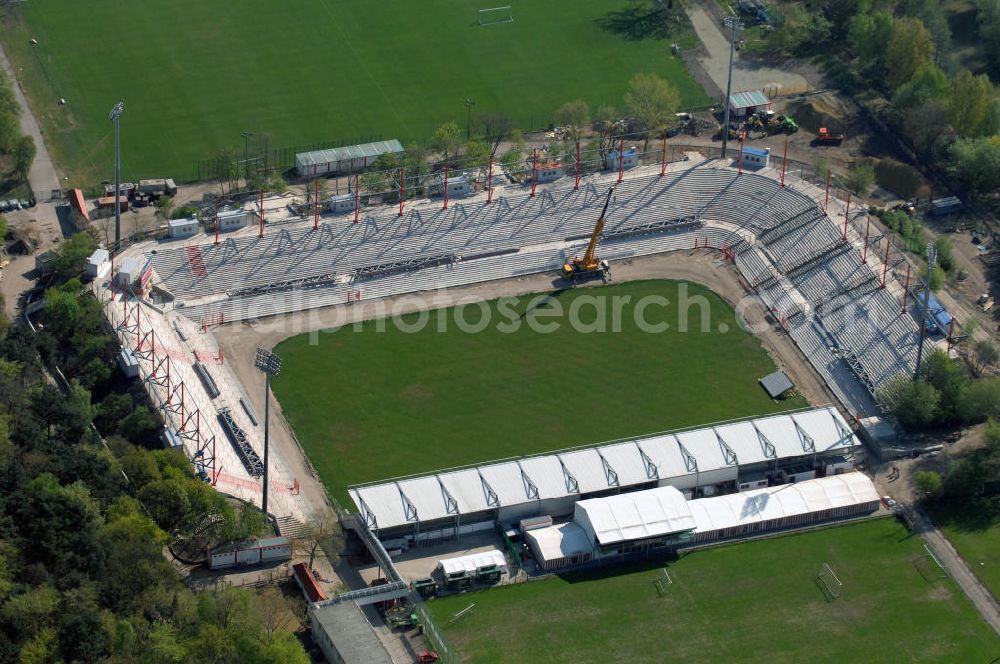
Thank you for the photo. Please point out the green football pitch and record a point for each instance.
(369, 405)
(752, 602)
(196, 73)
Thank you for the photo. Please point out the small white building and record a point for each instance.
(473, 564)
(98, 264)
(458, 186)
(630, 159)
(341, 203)
(548, 172)
(178, 228)
(128, 364)
(755, 158)
(128, 272)
(231, 220)
(348, 159)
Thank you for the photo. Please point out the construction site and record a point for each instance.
(831, 297)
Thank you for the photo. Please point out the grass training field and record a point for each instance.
(973, 528)
(753, 602)
(369, 406)
(195, 73)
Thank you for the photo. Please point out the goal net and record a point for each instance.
(929, 566)
(664, 584)
(496, 16)
(829, 581)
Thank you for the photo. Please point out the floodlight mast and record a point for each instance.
(270, 365)
(115, 116)
(931, 259)
(735, 25)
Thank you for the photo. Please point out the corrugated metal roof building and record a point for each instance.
(348, 159)
(746, 103)
(701, 461)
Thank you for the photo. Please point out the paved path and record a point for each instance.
(43, 218)
(746, 75)
(973, 588)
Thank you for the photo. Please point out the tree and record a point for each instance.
(913, 402)
(317, 531)
(985, 355)
(72, 254)
(982, 400)
(860, 178)
(512, 163)
(928, 483)
(652, 101)
(497, 128)
(929, 82)
(869, 34)
(950, 380)
(975, 162)
(988, 20)
(574, 116)
(447, 140)
(910, 47)
(139, 424)
(24, 155)
(608, 125)
(477, 153)
(969, 102)
(166, 501)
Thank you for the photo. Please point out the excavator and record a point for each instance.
(589, 266)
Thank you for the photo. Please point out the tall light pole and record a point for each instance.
(931, 259)
(115, 116)
(270, 365)
(468, 125)
(735, 25)
(246, 156)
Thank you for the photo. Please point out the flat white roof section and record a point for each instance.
(473, 562)
(636, 515)
(620, 465)
(560, 541)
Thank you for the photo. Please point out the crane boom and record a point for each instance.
(588, 257)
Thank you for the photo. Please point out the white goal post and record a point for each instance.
(496, 16)
(831, 583)
(664, 584)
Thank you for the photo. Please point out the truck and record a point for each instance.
(827, 137)
(158, 187)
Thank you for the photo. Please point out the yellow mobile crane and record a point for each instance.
(588, 265)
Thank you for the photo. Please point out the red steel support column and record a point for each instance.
(316, 207)
(743, 136)
(864, 255)
(402, 183)
(826, 205)
(906, 288)
(534, 170)
(168, 380)
(621, 155)
(262, 213)
(489, 182)
(182, 406)
(216, 222)
(663, 156)
(847, 209)
(445, 184)
(784, 162)
(885, 266)
(576, 187)
(357, 198)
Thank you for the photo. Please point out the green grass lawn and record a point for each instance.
(369, 406)
(753, 602)
(974, 530)
(195, 73)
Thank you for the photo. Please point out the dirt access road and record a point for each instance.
(714, 59)
(239, 341)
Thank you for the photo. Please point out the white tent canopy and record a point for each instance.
(473, 562)
(780, 502)
(639, 515)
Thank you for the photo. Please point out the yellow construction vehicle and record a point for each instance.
(589, 266)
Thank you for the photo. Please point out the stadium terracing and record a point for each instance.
(830, 287)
